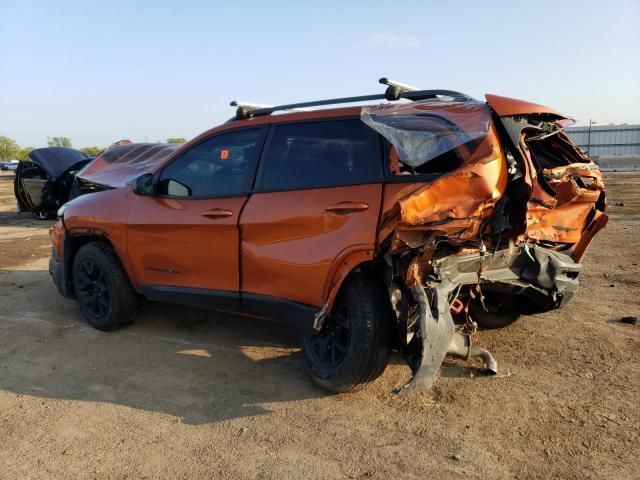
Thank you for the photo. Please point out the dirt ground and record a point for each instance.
(186, 393)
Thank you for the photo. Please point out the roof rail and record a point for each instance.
(395, 91)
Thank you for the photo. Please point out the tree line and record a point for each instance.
(10, 150)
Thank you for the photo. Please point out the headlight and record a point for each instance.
(61, 211)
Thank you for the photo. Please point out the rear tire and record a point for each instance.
(489, 320)
(354, 346)
(102, 287)
(502, 310)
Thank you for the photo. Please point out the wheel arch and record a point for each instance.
(74, 240)
(370, 343)
(360, 258)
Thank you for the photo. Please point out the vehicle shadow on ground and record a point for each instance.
(24, 219)
(197, 365)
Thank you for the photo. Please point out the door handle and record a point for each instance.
(217, 213)
(345, 208)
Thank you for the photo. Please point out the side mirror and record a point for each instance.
(143, 185)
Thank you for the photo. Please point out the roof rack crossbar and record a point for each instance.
(317, 103)
(236, 103)
(393, 83)
(396, 91)
(416, 95)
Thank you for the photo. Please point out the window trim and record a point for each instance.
(262, 129)
(258, 186)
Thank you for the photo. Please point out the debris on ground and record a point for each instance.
(631, 320)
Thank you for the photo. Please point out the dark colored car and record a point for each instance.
(372, 228)
(11, 165)
(43, 183)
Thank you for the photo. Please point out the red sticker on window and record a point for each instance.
(224, 154)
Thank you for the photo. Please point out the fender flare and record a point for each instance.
(94, 234)
(344, 263)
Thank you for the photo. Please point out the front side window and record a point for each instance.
(321, 154)
(222, 165)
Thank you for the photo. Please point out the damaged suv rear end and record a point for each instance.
(400, 226)
(488, 211)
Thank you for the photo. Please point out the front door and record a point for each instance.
(184, 239)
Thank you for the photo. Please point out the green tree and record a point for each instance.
(23, 154)
(177, 140)
(59, 142)
(92, 151)
(8, 148)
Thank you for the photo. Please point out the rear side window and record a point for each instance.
(220, 166)
(321, 154)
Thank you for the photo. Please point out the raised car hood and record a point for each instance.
(56, 160)
(117, 166)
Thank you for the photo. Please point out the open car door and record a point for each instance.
(42, 183)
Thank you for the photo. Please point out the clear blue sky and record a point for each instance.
(101, 71)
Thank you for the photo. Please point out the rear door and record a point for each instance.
(184, 240)
(317, 197)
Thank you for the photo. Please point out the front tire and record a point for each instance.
(102, 287)
(354, 346)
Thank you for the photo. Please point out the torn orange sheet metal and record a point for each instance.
(564, 217)
(559, 203)
(465, 194)
(454, 204)
(563, 224)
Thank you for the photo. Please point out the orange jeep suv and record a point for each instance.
(391, 226)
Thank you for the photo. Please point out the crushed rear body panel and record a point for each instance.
(488, 207)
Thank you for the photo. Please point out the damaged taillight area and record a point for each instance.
(482, 216)
(567, 200)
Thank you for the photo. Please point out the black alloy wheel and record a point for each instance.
(354, 345)
(105, 296)
(93, 291)
(331, 344)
